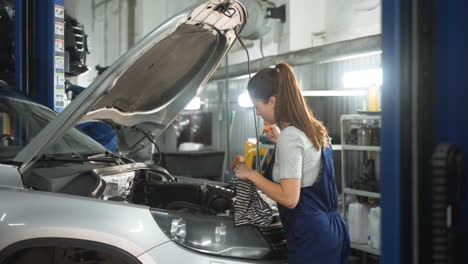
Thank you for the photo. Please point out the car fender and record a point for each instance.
(27, 214)
(10, 177)
(69, 243)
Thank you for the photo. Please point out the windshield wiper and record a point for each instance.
(76, 157)
(109, 155)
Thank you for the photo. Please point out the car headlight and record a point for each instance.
(118, 184)
(212, 234)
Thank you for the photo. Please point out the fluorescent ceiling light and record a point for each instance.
(363, 79)
(195, 104)
(244, 100)
(325, 93)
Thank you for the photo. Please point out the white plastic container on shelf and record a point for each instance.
(358, 222)
(374, 224)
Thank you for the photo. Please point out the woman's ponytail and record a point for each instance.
(292, 108)
(289, 93)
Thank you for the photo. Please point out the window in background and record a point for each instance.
(194, 127)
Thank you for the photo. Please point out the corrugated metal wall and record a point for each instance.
(328, 76)
(320, 76)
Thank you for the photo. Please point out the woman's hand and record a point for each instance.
(286, 192)
(243, 172)
(273, 133)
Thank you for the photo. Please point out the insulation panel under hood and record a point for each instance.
(145, 89)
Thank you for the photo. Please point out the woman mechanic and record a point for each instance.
(303, 176)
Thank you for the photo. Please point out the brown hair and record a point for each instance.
(291, 106)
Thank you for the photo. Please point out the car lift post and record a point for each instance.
(39, 38)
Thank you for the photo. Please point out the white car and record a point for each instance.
(65, 199)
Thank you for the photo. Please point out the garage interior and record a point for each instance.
(384, 77)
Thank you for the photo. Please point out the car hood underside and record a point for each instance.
(143, 91)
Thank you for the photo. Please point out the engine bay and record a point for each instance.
(144, 184)
(153, 186)
(135, 183)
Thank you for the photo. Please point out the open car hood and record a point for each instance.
(145, 89)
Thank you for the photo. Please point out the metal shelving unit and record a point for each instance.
(361, 193)
(361, 148)
(337, 147)
(346, 147)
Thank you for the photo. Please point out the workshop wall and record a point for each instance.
(115, 25)
(311, 23)
(324, 76)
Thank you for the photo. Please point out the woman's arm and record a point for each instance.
(289, 155)
(286, 192)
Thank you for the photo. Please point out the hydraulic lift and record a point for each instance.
(49, 45)
(40, 51)
(424, 132)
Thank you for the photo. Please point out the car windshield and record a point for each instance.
(21, 120)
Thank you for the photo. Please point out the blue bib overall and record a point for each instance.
(316, 232)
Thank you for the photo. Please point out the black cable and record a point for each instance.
(246, 51)
(226, 9)
(257, 159)
(261, 48)
(230, 12)
(154, 143)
